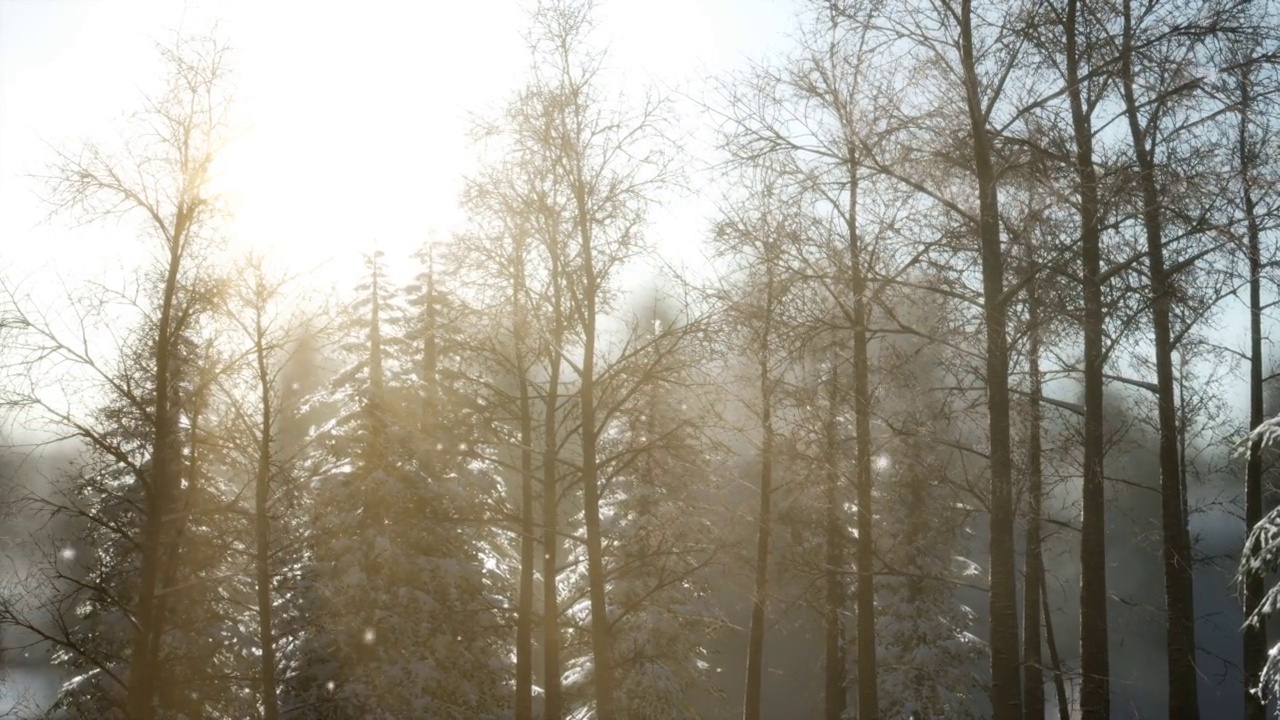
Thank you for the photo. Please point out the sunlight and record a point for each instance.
(593, 459)
(345, 150)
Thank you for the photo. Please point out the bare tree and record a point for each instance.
(158, 175)
(753, 235)
(608, 163)
(1253, 88)
(271, 333)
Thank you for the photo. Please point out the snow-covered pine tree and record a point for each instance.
(404, 624)
(931, 663)
(340, 658)
(930, 658)
(1261, 559)
(454, 496)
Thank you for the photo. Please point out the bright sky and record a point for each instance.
(357, 113)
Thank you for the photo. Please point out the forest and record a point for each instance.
(970, 410)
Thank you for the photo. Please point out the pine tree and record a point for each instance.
(396, 574)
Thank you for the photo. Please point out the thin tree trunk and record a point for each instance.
(1059, 683)
(1181, 645)
(1095, 658)
(554, 703)
(262, 530)
(1032, 660)
(868, 701)
(834, 692)
(755, 641)
(1006, 694)
(524, 612)
(1255, 635)
(601, 642)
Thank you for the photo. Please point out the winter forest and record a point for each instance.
(967, 408)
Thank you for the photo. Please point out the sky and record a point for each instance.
(353, 118)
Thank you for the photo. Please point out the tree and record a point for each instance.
(1095, 700)
(607, 163)
(161, 176)
(1261, 557)
(271, 335)
(1152, 129)
(394, 570)
(1252, 85)
(753, 234)
(971, 56)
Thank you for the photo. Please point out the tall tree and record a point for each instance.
(1249, 157)
(159, 175)
(1005, 700)
(814, 113)
(257, 296)
(162, 177)
(1095, 693)
(752, 235)
(1176, 549)
(608, 163)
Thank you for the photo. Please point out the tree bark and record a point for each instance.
(1095, 659)
(262, 527)
(755, 640)
(524, 612)
(1032, 661)
(1255, 635)
(1180, 630)
(554, 703)
(834, 692)
(1006, 700)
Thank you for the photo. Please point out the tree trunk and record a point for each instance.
(1032, 661)
(262, 531)
(1255, 635)
(834, 693)
(868, 702)
(143, 656)
(1095, 659)
(1006, 700)
(601, 645)
(554, 703)
(755, 641)
(1181, 646)
(1059, 683)
(524, 612)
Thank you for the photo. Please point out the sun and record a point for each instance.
(338, 153)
